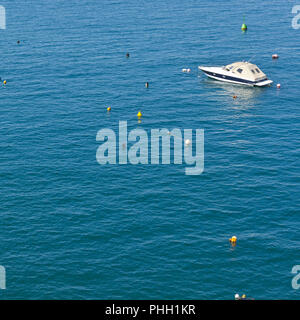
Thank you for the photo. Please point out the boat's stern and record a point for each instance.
(264, 83)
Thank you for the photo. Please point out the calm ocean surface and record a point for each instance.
(73, 229)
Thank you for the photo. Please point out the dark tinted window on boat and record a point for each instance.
(240, 70)
(257, 70)
(253, 71)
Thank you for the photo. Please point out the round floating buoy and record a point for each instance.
(147, 84)
(233, 239)
(108, 109)
(4, 82)
(234, 97)
(275, 56)
(187, 142)
(186, 70)
(18, 42)
(237, 296)
(139, 115)
(244, 27)
(278, 86)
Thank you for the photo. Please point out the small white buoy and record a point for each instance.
(275, 56)
(187, 142)
(184, 70)
(237, 296)
(278, 86)
(188, 70)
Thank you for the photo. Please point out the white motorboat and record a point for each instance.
(244, 73)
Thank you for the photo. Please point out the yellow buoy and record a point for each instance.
(108, 108)
(139, 114)
(233, 239)
(4, 82)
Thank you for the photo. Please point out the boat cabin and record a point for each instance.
(246, 70)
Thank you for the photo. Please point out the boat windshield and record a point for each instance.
(227, 68)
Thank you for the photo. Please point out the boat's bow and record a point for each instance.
(210, 69)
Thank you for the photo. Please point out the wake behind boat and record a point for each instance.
(244, 73)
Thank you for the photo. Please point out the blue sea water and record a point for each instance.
(73, 229)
